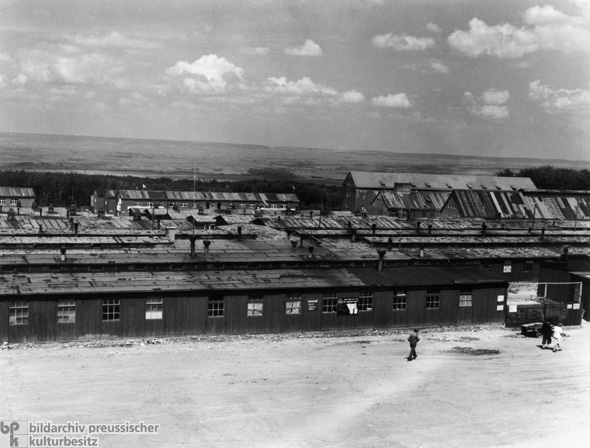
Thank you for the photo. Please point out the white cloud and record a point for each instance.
(433, 27)
(352, 96)
(124, 101)
(304, 86)
(545, 29)
(494, 96)
(402, 42)
(114, 39)
(545, 15)
(489, 105)
(255, 51)
(398, 100)
(86, 68)
(438, 66)
(212, 73)
(309, 48)
(560, 99)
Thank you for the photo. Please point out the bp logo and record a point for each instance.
(13, 433)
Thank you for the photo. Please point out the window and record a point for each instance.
(138, 203)
(488, 266)
(528, 266)
(466, 298)
(254, 206)
(150, 204)
(363, 196)
(255, 305)
(365, 301)
(66, 311)
(293, 304)
(154, 308)
(111, 309)
(242, 205)
(400, 300)
(19, 313)
(432, 299)
(184, 204)
(2, 201)
(507, 267)
(215, 308)
(13, 202)
(329, 303)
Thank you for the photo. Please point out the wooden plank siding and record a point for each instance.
(186, 313)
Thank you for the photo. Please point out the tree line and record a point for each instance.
(548, 177)
(65, 189)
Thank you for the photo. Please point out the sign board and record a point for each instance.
(312, 304)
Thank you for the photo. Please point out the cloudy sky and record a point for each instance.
(478, 77)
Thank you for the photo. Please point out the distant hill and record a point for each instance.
(225, 161)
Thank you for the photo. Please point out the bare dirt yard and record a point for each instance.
(470, 387)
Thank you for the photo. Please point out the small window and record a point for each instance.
(13, 202)
(400, 300)
(363, 196)
(293, 305)
(2, 201)
(255, 306)
(184, 204)
(215, 308)
(528, 266)
(19, 313)
(111, 309)
(137, 203)
(154, 308)
(432, 300)
(329, 303)
(66, 311)
(488, 266)
(365, 302)
(507, 267)
(466, 298)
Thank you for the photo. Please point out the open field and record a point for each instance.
(223, 161)
(471, 387)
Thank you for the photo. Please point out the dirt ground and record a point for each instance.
(474, 387)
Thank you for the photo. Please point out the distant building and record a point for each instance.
(105, 200)
(360, 188)
(201, 200)
(13, 197)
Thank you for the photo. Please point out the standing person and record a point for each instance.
(413, 342)
(557, 335)
(546, 332)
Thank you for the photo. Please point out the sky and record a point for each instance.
(497, 78)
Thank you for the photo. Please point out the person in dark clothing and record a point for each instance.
(413, 342)
(546, 332)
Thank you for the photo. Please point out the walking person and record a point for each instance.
(413, 339)
(557, 335)
(546, 332)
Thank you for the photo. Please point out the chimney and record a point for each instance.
(373, 228)
(289, 231)
(206, 244)
(353, 235)
(76, 224)
(63, 254)
(483, 228)
(310, 215)
(380, 263)
(171, 233)
(40, 228)
(301, 240)
(389, 243)
(542, 233)
(422, 251)
(429, 229)
(40, 211)
(192, 240)
(418, 224)
(566, 250)
(310, 255)
(239, 233)
(293, 245)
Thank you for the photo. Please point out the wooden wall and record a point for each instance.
(186, 314)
